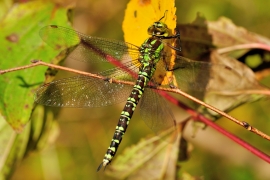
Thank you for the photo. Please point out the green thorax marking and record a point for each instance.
(150, 51)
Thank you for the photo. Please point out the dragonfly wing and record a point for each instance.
(81, 91)
(127, 71)
(87, 48)
(155, 111)
(202, 76)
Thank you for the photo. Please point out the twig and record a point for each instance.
(241, 123)
(244, 46)
(236, 139)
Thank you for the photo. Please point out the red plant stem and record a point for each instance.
(199, 117)
(239, 141)
(192, 112)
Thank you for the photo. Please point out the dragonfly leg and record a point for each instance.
(177, 37)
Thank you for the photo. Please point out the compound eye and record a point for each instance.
(151, 29)
(158, 29)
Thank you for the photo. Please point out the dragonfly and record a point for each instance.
(142, 65)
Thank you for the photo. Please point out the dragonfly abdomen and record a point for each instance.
(127, 113)
(149, 56)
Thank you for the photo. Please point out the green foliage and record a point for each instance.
(20, 43)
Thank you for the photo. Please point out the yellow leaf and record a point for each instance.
(139, 16)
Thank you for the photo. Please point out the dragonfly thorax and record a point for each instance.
(150, 50)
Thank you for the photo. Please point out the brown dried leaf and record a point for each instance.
(221, 96)
(201, 36)
(198, 41)
(225, 33)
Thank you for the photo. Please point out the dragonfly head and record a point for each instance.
(158, 29)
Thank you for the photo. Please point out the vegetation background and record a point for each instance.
(85, 133)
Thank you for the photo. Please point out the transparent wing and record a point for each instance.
(193, 75)
(84, 91)
(87, 48)
(127, 71)
(81, 91)
(155, 111)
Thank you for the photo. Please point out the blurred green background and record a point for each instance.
(86, 133)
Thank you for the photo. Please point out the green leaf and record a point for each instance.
(12, 147)
(20, 43)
